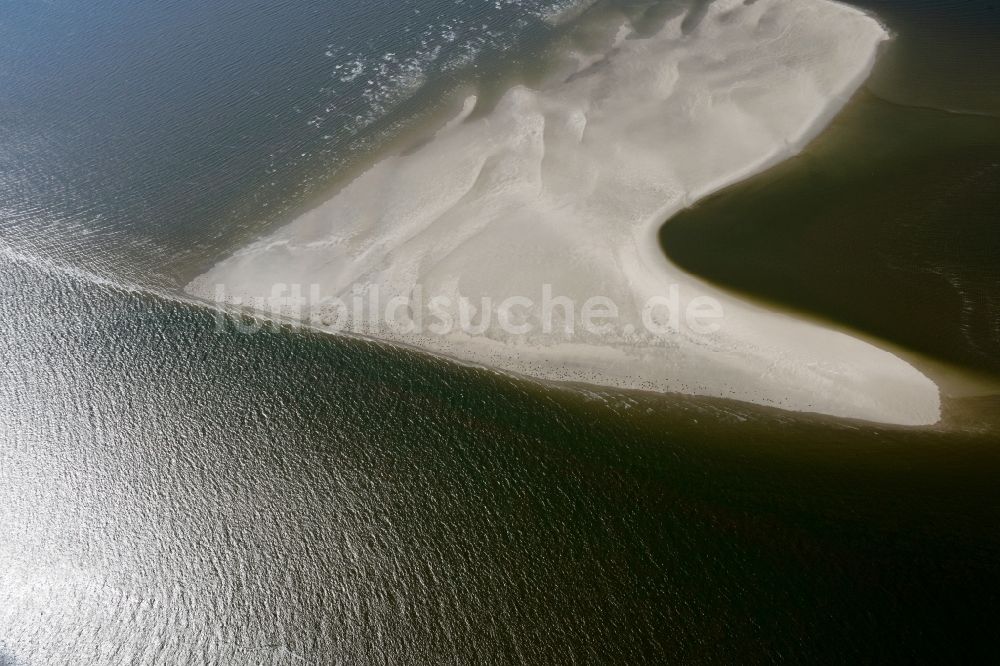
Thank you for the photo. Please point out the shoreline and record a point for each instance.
(760, 357)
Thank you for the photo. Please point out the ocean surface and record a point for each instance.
(175, 491)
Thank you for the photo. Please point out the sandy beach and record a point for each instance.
(564, 188)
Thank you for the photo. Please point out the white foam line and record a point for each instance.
(53, 267)
(568, 186)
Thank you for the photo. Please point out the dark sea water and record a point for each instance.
(140, 138)
(901, 194)
(898, 208)
(176, 492)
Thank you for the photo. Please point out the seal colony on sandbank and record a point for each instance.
(567, 185)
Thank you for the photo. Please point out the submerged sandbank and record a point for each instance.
(566, 186)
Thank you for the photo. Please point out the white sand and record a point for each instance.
(568, 185)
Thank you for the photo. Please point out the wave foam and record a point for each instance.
(568, 185)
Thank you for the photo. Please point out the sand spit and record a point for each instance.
(561, 191)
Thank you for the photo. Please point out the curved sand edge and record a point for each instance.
(567, 187)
